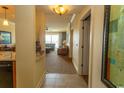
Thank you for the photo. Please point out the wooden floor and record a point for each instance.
(59, 64)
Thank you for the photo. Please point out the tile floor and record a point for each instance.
(64, 81)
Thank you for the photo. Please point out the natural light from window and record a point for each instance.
(54, 39)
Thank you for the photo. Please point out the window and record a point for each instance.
(53, 39)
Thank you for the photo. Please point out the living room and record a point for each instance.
(54, 41)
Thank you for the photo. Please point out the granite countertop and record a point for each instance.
(7, 56)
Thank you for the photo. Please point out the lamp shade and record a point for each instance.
(5, 22)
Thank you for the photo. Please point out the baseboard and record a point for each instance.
(77, 68)
(70, 59)
(41, 81)
(75, 65)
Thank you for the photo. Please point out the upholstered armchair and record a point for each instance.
(63, 51)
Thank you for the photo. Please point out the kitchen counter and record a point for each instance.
(7, 56)
(10, 60)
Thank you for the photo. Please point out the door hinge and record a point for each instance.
(82, 65)
(83, 27)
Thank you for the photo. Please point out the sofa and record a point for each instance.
(50, 46)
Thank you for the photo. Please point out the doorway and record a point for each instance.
(85, 46)
(71, 43)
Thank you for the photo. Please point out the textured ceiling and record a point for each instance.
(57, 23)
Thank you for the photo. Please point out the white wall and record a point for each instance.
(97, 23)
(40, 59)
(25, 46)
(30, 26)
(68, 40)
(95, 60)
(9, 28)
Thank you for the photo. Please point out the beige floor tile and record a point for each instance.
(51, 75)
(64, 81)
(60, 86)
(66, 76)
(61, 73)
(61, 81)
(48, 86)
(49, 82)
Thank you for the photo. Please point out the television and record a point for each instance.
(5, 37)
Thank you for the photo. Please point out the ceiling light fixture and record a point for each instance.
(5, 22)
(60, 10)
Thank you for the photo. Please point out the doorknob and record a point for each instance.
(82, 46)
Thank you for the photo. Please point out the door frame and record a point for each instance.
(86, 14)
(85, 33)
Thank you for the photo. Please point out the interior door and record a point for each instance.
(71, 41)
(86, 42)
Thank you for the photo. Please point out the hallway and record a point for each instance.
(59, 64)
(61, 73)
(31, 67)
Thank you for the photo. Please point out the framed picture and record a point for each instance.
(113, 46)
(5, 37)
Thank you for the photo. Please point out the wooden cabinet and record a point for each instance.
(7, 74)
(14, 74)
(7, 69)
